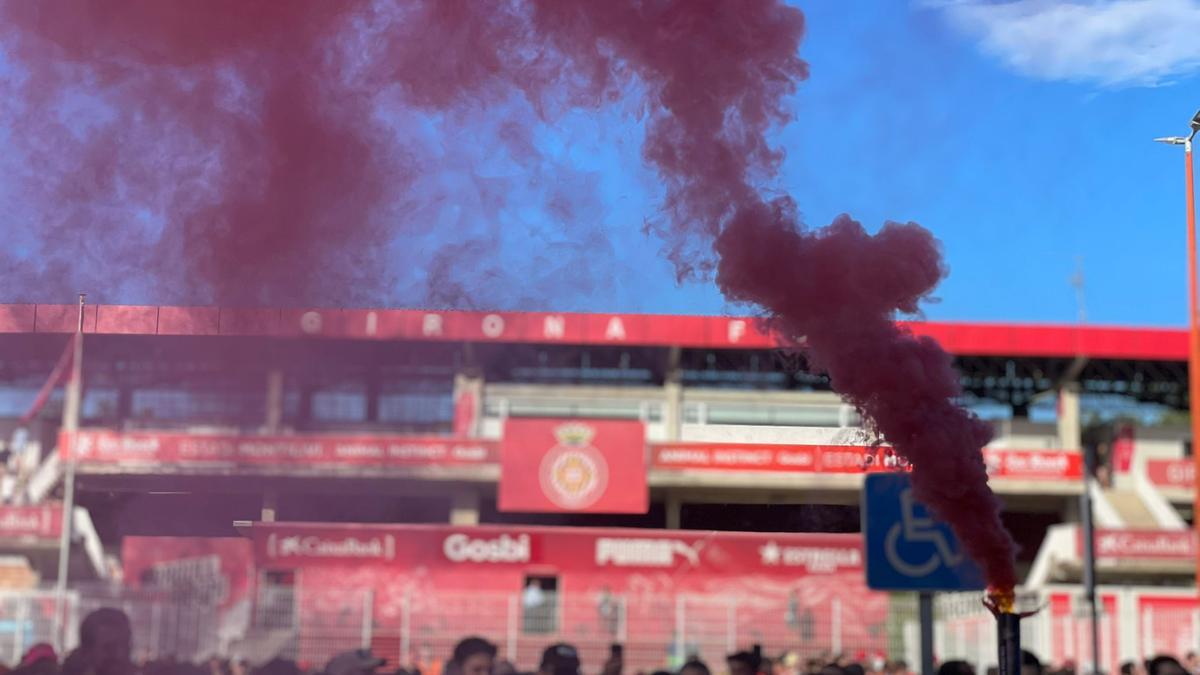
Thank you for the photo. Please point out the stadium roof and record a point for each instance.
(714, 332)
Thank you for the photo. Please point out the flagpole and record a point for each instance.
(72, 404)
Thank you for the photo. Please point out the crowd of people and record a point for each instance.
(106, 648)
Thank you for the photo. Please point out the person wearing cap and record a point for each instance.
(356, 662)
(39, 660)
(472, 656)
(559, 659)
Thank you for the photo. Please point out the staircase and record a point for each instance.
(1132, 510)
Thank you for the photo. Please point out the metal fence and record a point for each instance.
(420, 627)
(657, 631)
(163, 624)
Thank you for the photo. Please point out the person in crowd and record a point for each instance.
(559, 659)
(355, 662)
(608, 609)
(695, 667)
(472, 656)
(993, 670)
(1191, 661)
(278, 666)
(105, 645)
(40, 659)
(854, 669)
(956, 668)
(218, 666)
(504, 667)
(427, 663)
(615, 664)
(1165, 665)
(1030, 664)
(898, 667)
(745, 662)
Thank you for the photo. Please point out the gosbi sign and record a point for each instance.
(554, 465)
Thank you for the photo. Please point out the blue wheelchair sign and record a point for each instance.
(906, 549)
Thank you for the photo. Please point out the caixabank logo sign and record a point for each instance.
(573, 474)
(380, 547)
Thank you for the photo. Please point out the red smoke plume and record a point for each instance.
(273, 175)
(716, 74)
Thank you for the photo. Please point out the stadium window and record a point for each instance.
(539, 605)
(276, 606)
(417, 408)
(339, 406)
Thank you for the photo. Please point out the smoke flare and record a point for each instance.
(249, 132)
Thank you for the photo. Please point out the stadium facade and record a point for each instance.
(315, 479)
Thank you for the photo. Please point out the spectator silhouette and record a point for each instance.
(956, 668)
(1030, 664)
(559, 659)
(1165, 665)
(745, 663)
(473, 656)
(105, 645)
(355, 662)
(39, 660)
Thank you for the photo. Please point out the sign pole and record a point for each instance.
(1089, 552)
(926, 611)
(72, 403)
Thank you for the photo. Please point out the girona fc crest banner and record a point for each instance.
(587, 466)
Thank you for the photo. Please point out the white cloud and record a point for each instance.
(1107, 42)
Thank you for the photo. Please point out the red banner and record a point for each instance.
(1006, 464)
(440, 548)
(41, 523)
(593, 466)
(102, 446)
(1161, 545)
(774, 458)
(1172, 473)
(1002, 464)
(568, 328)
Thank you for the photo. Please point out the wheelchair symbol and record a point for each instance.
(918, 529)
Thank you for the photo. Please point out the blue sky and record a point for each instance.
(912, 112)
(1019, 132)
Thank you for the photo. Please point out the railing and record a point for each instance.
(658, 631)
(162, 625)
